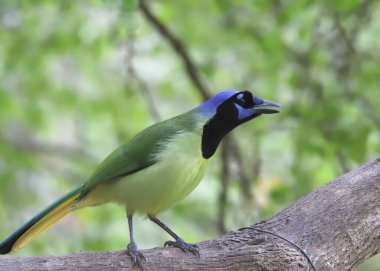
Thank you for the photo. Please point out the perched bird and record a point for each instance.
(156, 169)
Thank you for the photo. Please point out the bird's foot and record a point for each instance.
(183, 245)
(136, 255)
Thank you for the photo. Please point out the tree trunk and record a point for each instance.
(335, 227)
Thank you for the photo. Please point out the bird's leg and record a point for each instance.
(133, 251)
(179, 242)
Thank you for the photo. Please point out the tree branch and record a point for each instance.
(144, 88)
(229, 150)
(179, 48)
(335, 227)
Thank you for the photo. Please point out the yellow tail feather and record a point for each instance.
(44, 223)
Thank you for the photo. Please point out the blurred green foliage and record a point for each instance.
(78, 78)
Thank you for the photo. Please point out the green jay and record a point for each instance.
(154, 170)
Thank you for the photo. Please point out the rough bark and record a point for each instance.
(335, 227)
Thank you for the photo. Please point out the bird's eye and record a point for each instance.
(240, 100)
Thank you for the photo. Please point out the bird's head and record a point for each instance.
(227, 110)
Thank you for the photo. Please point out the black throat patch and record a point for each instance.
(225, 119)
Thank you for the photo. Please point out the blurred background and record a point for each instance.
(79, 78)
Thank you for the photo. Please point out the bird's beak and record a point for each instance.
(267, 107)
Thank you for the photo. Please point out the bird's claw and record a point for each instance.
(193, 248)
(136, 255)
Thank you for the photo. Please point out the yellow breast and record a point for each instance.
(179, 169)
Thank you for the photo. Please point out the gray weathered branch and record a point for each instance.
(335, 227)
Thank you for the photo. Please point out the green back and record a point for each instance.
(139, 153)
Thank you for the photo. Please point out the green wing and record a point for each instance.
(137, 154)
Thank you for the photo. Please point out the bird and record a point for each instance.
(156, 169)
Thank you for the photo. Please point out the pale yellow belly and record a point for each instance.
(152, 190)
